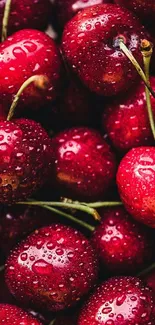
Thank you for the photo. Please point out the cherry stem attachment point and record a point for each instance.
(136, 65)
(147, 270)
(40, 81)
(5, 20)
(147, 50)
(76, 206)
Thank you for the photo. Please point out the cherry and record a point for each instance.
(123, 245)
(25, 159)
(65, 12)
(26, 14)
(24, 54)
(126, 119)
(136, 183)
(18, 221)
(144, 9)
(119, 301)
(12, 315)
(74, 107)
(83, 165)
(52, 269)
(90, 46)
(5, 295)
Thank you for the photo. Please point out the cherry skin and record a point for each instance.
(25, 150)
(136, 184)
(74, 106)
(144, 9)
(18, 221)
(149, 278)
(126, 119)
(90, 45)
(123, 245)
(56, 266)
(83, 165)
(24, 54)
(119, 301)
(12, 315)
(65, 12)
(26, 14)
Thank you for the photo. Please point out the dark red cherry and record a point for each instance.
(90, 46)
(52, 269)
(123, 245)
(27, 14)
(25, 159)
(143, 9)
(83, 165)
(119, 301)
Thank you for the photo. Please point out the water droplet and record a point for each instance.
(41, 267)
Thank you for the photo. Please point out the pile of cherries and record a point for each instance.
(77, 163)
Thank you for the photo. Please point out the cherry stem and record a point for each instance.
(147, 50)
(76, 206)
(147, 270)
(40, 81)
(5, 20)
(70, 217)
(105, 204)
(94, 204)
(52, 322)
(136, 65)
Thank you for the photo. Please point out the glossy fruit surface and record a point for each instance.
(119, 301)
(90, 45)
(126, 119)
(24, 54)
(26, 14)
(136, 184)
(123, 245)
(144, 9)
(83, 165)
(56, 266)
(65, 11)
(24, 159)
(12, 315)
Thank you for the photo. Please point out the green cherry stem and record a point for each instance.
(40, 81)
(70, 217)
(147, 270)
(5, 20)
(136, 65)
(76, 206)
(147, 50)
(105, 204)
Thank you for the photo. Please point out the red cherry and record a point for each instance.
(65, 11)
(144, 9)
(52, 269)
(26, 14)
(24, 54)
(90, 46)
(123, 245)
(12, 315)
(119, 301)
(25, 159)
(83, 164)
(126, 119)
(136, 184)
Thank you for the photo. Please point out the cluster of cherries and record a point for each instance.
(77, 162)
